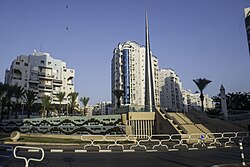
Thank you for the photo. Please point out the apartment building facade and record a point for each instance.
(42, 74)
(174, 97)
(128, 74)
(193, 101)
(103, 108)
(170, 90)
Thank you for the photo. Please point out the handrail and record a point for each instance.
(30, 159)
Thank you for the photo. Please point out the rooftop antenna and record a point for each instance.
(41, 47)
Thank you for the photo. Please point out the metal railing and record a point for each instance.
(129, 143)
(26, 159)
(163, 141)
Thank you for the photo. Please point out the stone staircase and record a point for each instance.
(185, 124)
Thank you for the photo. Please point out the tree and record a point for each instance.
(9, 94)
(2, 89)
(46, 103)
(235, 101)
(3, 100)
(238, 101)
(18, 92)
(201, 84)
(60, 97)
(30, 97)
(118, 93)
(84, 101)
(73, 104)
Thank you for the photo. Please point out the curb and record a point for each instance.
(44, 144)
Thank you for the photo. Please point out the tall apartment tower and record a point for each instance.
(247, 23)
(41, 73)
(170, 90)
(128, 74)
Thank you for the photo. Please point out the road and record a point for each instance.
(195, 158)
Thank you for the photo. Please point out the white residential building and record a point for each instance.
(193, 101)
(170, 90)
(175, 98)
(41, 73)
(128, 74)
(103, 108)
(89, 110)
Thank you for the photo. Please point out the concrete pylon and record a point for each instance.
(149, 82)
(223, 102)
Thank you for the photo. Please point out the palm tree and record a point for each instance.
(84, 101)
(60, 97)
(46, 103)
(201, 84)
(4, 103)
(3, 89)
(30, 97)
(18, 92)
(9, 95)
(73, 104)
(118, 93)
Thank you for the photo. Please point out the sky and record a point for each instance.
(197, 39)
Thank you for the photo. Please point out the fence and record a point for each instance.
(163, 142)
(132, 143)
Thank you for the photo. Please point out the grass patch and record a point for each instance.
(49, 140)
(4, 137)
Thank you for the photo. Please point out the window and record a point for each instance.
(49, 63)
(26, 64)
(42, 62)
(17, 63)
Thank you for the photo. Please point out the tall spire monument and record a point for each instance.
(149, 82)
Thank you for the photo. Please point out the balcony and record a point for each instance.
(47, 88)
(41, 74)
(45, 77)
(57, 82)
(34, 81)
(17, 78)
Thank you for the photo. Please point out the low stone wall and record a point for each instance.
(103, 125)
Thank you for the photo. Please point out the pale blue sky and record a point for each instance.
(196, 38)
